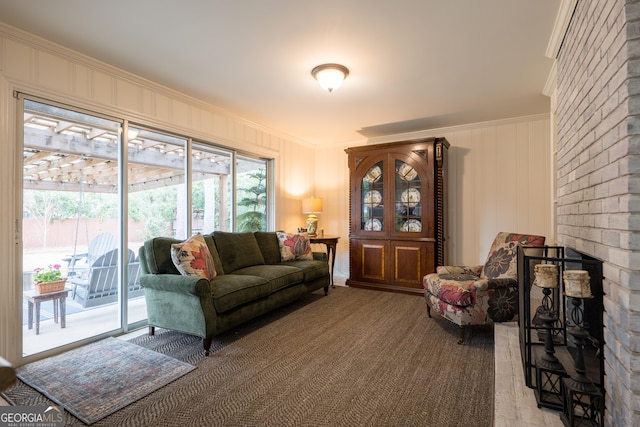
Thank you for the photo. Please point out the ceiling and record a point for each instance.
(414, 64)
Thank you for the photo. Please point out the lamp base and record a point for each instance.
(312, 225)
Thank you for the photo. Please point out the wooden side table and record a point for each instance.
(59, 299)
(330, 242)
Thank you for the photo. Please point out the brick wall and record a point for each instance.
(598, 177)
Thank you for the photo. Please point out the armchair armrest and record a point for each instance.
(473, 270)
(72, 259)
(190, 285)
(7, 374)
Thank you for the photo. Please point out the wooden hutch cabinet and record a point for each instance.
(397, 213)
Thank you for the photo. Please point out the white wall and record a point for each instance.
(499, 180)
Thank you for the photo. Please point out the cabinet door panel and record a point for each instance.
(373, 260)
(368, 260)
(412, 261)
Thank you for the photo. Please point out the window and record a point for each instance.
(251, 194)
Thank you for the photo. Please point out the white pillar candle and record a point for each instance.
(577, 283)
(546, 275)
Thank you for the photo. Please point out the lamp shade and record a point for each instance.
(312, 205)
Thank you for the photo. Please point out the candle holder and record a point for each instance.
(549, 390)
(583, 401)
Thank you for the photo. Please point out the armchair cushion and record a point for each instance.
(456, 289)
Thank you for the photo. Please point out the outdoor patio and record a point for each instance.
(80, 324)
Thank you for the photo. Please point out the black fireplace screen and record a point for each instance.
(532, 331)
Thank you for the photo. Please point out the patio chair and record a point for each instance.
(135, 288)
(99, 245)
(100, 284)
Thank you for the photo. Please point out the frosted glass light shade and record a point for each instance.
(330, 76)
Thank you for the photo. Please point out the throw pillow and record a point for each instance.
(294, 246)
(192, 258)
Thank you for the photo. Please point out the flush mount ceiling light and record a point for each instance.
(330, 76)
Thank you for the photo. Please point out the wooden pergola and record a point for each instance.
(65, 155)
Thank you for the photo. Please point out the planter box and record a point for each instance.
(43, 288)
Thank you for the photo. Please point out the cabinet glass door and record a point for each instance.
(408, 213)
(372, 200)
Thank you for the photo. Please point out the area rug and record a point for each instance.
(356, 357)
(96, 380)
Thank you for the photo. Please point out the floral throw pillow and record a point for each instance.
(192, 258)
(294, 246)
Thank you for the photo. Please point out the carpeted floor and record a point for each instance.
(354, 358)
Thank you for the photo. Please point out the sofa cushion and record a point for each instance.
(214, 253)
(311, 270)
(280, 276)
(268, 242)
(237, 250)
(294, 246)
(192, 258)
(233, 290)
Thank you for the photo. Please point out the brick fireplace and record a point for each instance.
(596, 119)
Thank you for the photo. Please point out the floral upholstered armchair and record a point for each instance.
(476, 295)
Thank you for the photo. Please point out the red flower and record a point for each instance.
(298, 244)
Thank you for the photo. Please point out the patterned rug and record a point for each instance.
(98, 379)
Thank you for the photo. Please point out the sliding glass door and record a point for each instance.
(94, 189)
(71, 225)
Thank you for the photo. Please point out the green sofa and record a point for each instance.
(251, 280)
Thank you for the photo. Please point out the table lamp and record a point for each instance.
(312, 206)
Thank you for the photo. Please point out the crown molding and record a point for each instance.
(563, 18)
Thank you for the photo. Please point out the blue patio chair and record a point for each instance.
(99, 245)
(100, 284)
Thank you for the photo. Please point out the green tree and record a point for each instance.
(252, 205)
(159, 219)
